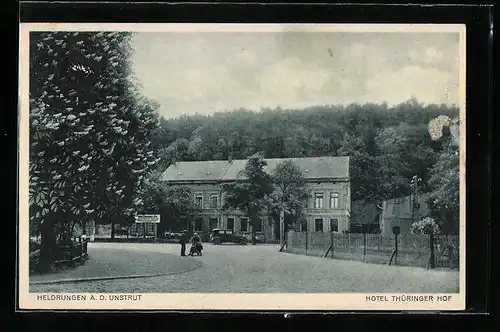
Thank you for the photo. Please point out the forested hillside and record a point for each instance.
(386, 145)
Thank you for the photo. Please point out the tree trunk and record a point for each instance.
(160, 229)
(112, 229)
(47, 245)
(254, 222)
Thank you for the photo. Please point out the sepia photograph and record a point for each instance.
(298, 166)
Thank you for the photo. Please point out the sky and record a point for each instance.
(205, 72)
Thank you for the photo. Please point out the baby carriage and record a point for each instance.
(196, 249)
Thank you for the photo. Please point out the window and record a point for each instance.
(334, 200)
(198, 223)
(303, 226)
(258, 226)
(244, 224)
(318, 225)
(150, 228)
(318, 200)
(213, 201)
(396, 208)
(334, 225)
(230, 223)
(198, 200)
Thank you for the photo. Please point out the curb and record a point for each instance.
(135, 276)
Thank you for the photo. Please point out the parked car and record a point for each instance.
(172, 235)
(219, 235)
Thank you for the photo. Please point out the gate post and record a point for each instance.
(349, 241)
(432, 259)
(364, 246)
(331, 242)
(396, 248)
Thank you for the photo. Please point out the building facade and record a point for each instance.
(327, 180)
(402, 212)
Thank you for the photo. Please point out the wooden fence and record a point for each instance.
(407, 249)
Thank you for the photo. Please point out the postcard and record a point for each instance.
(242, 166)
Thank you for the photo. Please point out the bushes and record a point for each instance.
(425, 226)
(34, 246)
(34, 255)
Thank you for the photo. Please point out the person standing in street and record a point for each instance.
(183, 240)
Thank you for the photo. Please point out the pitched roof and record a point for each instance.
(312, 168)
(195, 170)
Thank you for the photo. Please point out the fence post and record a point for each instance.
(396, 249)
(432, 259)
(364, 246)
(349, 241)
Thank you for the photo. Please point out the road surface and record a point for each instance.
(255, 269)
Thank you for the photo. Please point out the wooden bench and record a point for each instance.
(71, 254)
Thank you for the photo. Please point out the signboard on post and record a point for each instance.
(149, 224)
(147, 218)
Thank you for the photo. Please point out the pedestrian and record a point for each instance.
(183, 239)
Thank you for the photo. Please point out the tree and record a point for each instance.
(250, 192)
(425, 226)
(445, 184)
(393, 164)
(360, 167)
(89, 129)
(179, 149)
(386, 145)
(290, 193)
(196, 148)
(173, 203)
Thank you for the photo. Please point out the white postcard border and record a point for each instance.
(220, 301)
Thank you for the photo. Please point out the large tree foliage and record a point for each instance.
(250, 192)
(387, 146)
(364, 132)
(89, 128)
(290, 193)
(445, 184)
(360, 167)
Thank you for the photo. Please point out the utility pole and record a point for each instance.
(221, 212)
(415, 180)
